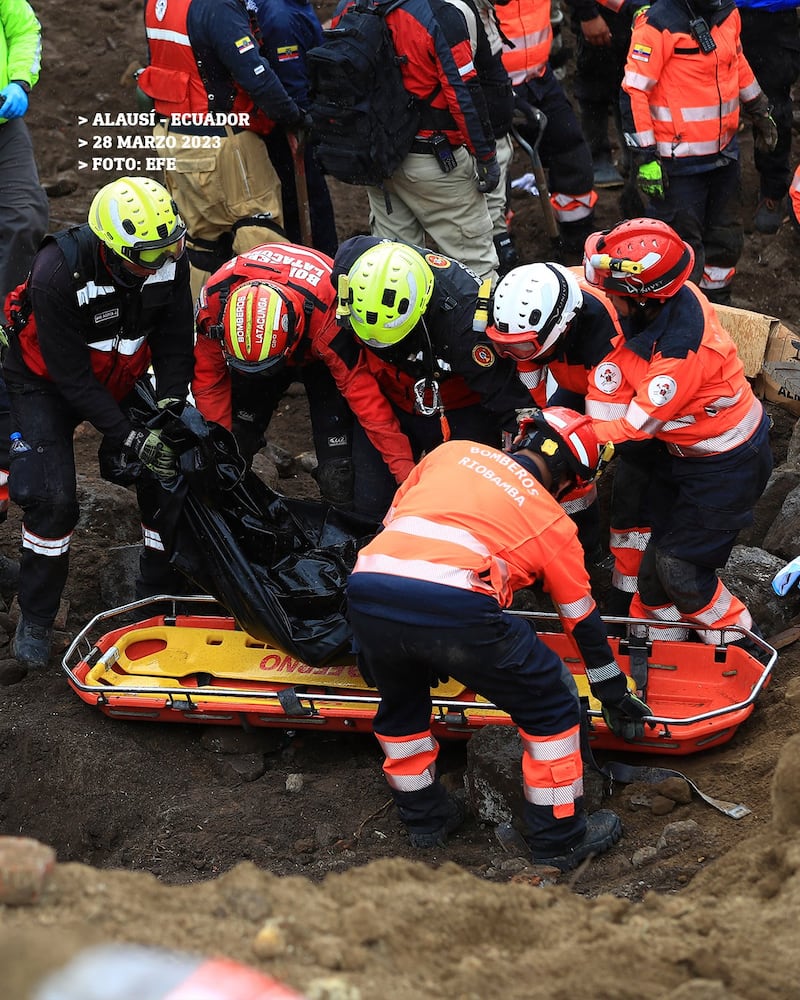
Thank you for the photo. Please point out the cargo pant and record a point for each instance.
(227, 192)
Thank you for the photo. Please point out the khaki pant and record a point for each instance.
(448, 207)
(218, 180)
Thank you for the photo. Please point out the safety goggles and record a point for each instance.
(155, 253)
(519, 352)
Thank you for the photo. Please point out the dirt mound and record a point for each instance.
(194, 837)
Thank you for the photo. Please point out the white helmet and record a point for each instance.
(533, 306)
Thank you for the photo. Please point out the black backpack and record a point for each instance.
(364, 118)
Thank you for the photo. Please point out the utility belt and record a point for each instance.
(440, 146)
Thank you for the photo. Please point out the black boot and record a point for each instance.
(31, 644)
(603, 830)
(430, 814)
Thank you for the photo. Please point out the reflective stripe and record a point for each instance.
(152, 539)
(601, 410)
(422, 527)
(466, 70)
(750, 92)
(709, 113)
(421, 569)
(52, 547)
(532, 380)
(409, 761)
(163, 35)
(605, 673)
(91, 291)
(583, 502)
(570, 208)
(627, 584)
(127, 348)
(636, 538)
(671, 149)
(726, 441)
(552, 771)
(665, 613)
(577, 609)
(638, 81)
(717, 277)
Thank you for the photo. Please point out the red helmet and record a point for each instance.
(567, 442)
(639, 258)
(259, 330)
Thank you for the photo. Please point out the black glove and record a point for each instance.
(488, 175)
(625, 717)
(303, 122)
(765, 131)
(155, 454)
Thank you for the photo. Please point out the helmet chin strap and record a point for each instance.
(116, 265)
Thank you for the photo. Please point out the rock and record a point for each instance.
(792, 693)
(270, 942)
(493, 774)
(676, 789)
(661, 805)
(332, 988)
(786, 788)
(644, 856)
(249, 767)
(230, 740)
(680, 834)
(25, 868)
(294, 782)
(12, 672)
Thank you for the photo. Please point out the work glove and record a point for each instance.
(15, 101)
(488, 175)
(154, 453)
(786, 578)
(765, 131)
(651, 180)
(303, 122)
(172, 403)
(625, 717)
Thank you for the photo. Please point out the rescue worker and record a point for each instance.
(487, 46)
(439, 188)
(674, 375)
(24, 209)
(771, 44)
(563, 148)
(265, 320)
(103, 302)
(421, 318)
(216, 93)
(685, 80)
(557, 326)
(471, 525)
(602, 30)
(289, 28)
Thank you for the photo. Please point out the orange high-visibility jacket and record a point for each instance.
(526, 23)
(683, 101)
(680, 380)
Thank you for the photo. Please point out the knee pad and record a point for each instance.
(688, 586)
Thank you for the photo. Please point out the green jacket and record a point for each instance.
(20, 44)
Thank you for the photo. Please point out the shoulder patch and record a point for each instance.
(641, 52)
(608, 377)
(437, 260)
(661, 389)
(244, 44)
(483, 356)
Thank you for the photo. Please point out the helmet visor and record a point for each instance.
(155, 253)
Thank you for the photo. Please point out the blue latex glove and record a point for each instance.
(15, 101)
(786, 578)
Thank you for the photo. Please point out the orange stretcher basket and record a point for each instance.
(193, 664)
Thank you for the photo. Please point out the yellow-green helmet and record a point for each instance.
(390, 286)
(137, 219)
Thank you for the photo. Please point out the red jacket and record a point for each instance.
(304, 276)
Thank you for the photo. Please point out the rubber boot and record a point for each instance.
(430, 814)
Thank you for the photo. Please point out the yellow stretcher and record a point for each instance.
(193, 664)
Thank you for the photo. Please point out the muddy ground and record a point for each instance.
(193, 837)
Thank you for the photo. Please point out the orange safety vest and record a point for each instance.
(685, 102)
(172, 79)
(526, 23)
